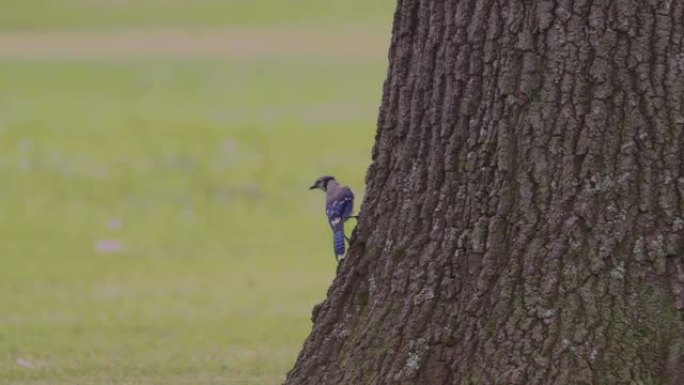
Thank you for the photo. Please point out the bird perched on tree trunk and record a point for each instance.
(339, 204)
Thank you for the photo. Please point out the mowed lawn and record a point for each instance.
(156, 225)
(105, 14)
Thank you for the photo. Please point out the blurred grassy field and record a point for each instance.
(155, 222)
(40, 14)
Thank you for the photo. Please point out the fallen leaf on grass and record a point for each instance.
(108, 246)
(25, 363)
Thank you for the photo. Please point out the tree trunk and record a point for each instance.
(524, 214)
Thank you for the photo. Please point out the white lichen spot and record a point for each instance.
(451, 234)
(565, 343)
(388, 246)
(639, 248)
(548, 316)
(619, 271)
(678, 224)
(340, 330)
(657, 247)
(679, 60)
(593, 354)
(479, 236)
(424, 295)
(511, 99)
(412, 364)
(624, 177)
(575, 245)
(372, 285)
(463, 239)
(596, 184)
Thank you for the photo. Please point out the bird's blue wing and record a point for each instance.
(339, 207)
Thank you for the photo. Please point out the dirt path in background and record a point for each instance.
(233, 42)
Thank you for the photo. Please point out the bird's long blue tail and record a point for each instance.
(339, 242)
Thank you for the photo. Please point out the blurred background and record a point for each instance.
(156, 225)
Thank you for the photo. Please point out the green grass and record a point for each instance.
(206, 163)
(46, 14)
(199, 168)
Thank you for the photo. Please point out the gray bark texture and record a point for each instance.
(524, 215)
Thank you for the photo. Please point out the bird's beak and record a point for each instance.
(313, 187)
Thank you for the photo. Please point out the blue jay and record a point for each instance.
(339, 203)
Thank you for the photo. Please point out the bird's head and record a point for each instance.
(322, 183)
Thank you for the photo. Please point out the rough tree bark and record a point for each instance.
(524, 211)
